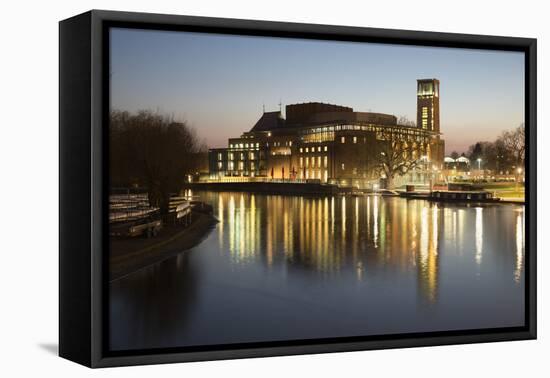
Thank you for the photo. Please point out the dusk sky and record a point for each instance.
(219, 84)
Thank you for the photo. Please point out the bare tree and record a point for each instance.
(504, 154)
(152, 151)
(395, 157)
(404, 121)
(514, 143)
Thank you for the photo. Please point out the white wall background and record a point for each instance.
(29, 180)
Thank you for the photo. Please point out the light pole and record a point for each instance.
(479, 166)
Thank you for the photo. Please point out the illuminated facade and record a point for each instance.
(427, 104)
(328, 143)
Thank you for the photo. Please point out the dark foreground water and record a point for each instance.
(280, 268)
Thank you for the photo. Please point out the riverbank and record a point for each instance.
(130, 254)
(460, 196)
(282, 188)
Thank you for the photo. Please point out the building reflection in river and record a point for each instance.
(362, 234)
(378, 264)
(520, 246)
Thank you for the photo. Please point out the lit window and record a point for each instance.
(319, 149)
(231, 165)
(424, 117)
(220, 165)
(252, 166)
(252, 156)
(242, 156)
(219, 156)
(343, 139)
(241, 166)
(241, 145)
(307, 149)
(301, 150)
(246, 145)
(326, 161)
(343, 167)
(319, 161)
(301, 161)
(307, 162)
(290, 143)
(257, 145)
(231, 156)
(326, 148)
(230, 146)
(354, 139)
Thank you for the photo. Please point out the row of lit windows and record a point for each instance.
(244, 145)
(288, 143)
(397, 129)
(240, 165)
(312, 149)
(353, 139)
(251, 155)
(313, 160)
(315, 174)
(320, 137)
(424, 117)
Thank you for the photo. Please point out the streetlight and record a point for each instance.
(519, 170)
(479, 164)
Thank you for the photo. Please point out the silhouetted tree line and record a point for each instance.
(506, 153)
(153, 151)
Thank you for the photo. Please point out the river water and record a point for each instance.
(284, 268)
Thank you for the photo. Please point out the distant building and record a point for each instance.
(462, 163)
(427, 104)
(329, 143)
(459, 168)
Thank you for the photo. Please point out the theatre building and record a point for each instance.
(331, 144)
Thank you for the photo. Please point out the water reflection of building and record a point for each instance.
(427, 261)
(333, 234)
(329, 143)
(520, 246)
(363, 237)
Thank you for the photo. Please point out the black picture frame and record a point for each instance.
(83, 166)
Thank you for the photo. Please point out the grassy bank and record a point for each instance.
(505, 191)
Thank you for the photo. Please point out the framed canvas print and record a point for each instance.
(233, 188)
